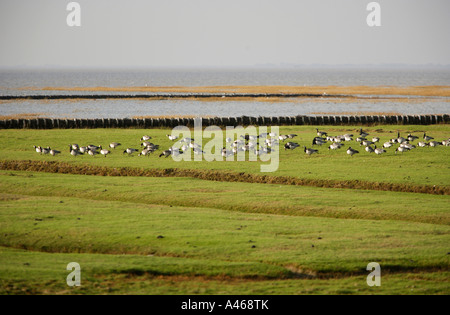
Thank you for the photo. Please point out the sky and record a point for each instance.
(225, 33)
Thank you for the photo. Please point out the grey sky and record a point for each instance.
(192, 33)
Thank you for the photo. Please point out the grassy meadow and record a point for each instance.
(210, 235)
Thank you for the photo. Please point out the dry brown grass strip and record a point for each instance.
(211, 175)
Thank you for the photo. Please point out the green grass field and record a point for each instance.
(185, 235)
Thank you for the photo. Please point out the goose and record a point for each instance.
(292, 136)
(400, 139)
(318, 141)
(273, 134)
(226, 153)
(375, 139)
(94, 147)
(379, 151)
(198, 151)
(145, 138)
(114, 145)
(434, 143)
(351, 151)
(45, 150)
(387, 144)
(104, 152)
(291, 146)
(310, 151)
(75, 152)
(335, 146)
(369, 149)
(360, 139)
(38, 149)
(92, 152)
(54, 152)
(321, 133)
(130, 151)
(83, 149)
(228, 140)
(422, 144)
(427, 138)
(187, 140)
(446, 143)
(145, 152)
(366, 143)
(75, 146)
(173, 138)
(411, 137)
(348, 137)
(401, 149)
(282, 137)
(166, 153)
(362, 133)
(407, 145)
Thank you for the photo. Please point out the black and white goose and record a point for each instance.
(130, 151)
(291, 146)
(145, 138)
(104, 152)
(114, 145)
(54, 152)
(310, 151)
(173, 138)
(321, 133)
(362, 133)
(427, 138)
(387, 144)
(351, 151)
(38, 149)
(166, 153)
(369, 149)
(379, 151)
(401, 149)
(411, 138)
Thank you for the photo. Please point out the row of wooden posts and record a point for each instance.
(48, 123)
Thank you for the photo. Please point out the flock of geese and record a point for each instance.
(252, 143)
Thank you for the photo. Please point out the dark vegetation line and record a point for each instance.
(172, 95)
(211, 175)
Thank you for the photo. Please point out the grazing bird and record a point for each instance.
(351, 151)
(366, 143)
(54, 152)
(335, 146)
(94, 147)
(282, 137)
(401, 149)
(427, 138)
(360, 139)
(45, 150)
(434, 143)
(83, 149)
(166, 153)
(74, 152)
(292, 136)
(400, 139)
(446, 143)
(369, 149)
(130, 151)
(321, 133)
(387, 145)
(92, 152)
(375, 139)
(318, 141)
(104, 152)
(173, 138)
(411, 137)
(145, 152)
(310, 151)
(422, 144)
(75, 146)
(362, 133)
(114, 145)
(291, 146)
(145, 138)
(379, 151)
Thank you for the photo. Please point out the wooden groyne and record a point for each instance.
(144, 123)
